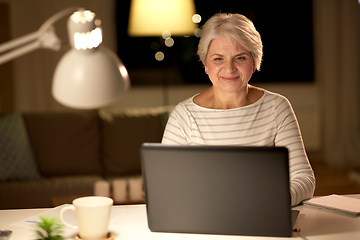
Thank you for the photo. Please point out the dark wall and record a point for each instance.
(285, 27)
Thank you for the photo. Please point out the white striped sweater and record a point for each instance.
(270, 121)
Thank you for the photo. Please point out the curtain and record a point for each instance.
(337, 60)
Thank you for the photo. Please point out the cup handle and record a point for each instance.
(71, 207)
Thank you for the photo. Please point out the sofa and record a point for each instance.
(51, 158)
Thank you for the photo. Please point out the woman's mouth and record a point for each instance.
(230, 79)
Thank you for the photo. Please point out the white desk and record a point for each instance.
(130, 222)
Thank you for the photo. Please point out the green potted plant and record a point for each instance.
(49, 229)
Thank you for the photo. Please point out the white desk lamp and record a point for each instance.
(88, 75)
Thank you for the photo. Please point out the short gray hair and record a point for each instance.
(235, 27)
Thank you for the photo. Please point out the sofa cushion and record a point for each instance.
(122, 138)
(46, 192)
(16, 156)
(65, 143)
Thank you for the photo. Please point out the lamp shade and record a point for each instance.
(89, 75)
(153, 17)
(89, 79)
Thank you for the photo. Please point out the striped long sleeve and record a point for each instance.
(270, 121)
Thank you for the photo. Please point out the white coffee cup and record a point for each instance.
(92, 216)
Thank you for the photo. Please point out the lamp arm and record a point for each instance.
(19, 52)
(45, 37)
(48, 23)
(17, 42)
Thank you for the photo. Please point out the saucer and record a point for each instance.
(110, 236)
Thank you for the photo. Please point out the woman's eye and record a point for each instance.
(241, 58)
(217, 59)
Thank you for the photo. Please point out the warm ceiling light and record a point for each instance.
(153, 17)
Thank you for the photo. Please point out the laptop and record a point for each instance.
(228, 190)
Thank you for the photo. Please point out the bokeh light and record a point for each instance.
(196, 18)
(159, 56)
(169, 42)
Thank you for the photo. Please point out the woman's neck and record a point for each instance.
(215, 99)
(228, 100)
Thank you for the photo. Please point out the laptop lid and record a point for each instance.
(230, 190)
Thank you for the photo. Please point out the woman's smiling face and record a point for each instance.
(229, 65)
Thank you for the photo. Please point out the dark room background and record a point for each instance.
(285, 27)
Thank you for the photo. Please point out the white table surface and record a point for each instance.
(129, 222)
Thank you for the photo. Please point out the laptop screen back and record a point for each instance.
(228, 190)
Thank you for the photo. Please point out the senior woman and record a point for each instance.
(233, 112)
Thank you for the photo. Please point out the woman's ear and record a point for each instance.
(206, 69)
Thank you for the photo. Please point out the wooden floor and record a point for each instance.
(335, 181)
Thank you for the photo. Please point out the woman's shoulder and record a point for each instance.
(273, 95)
(279, 101)
(187, 102)
(185, 105)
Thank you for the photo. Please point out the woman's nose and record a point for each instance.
(230, 66)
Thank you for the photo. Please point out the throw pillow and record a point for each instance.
(16, 156)
(65, 143)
